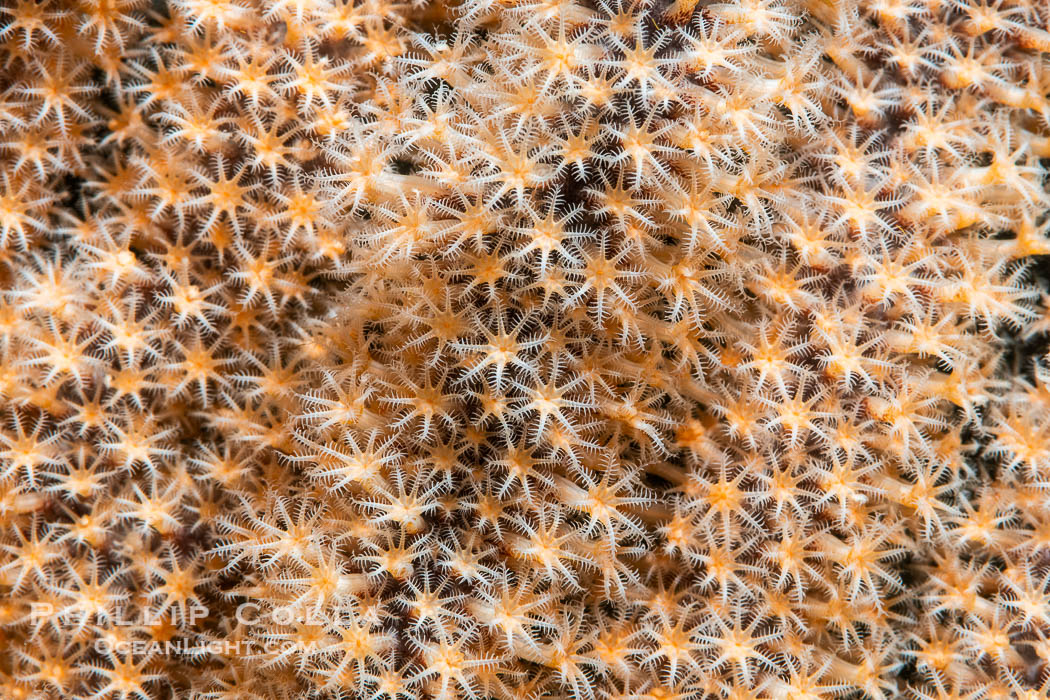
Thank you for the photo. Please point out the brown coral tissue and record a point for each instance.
(524, 349)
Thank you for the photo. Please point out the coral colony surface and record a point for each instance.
(522, 349)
